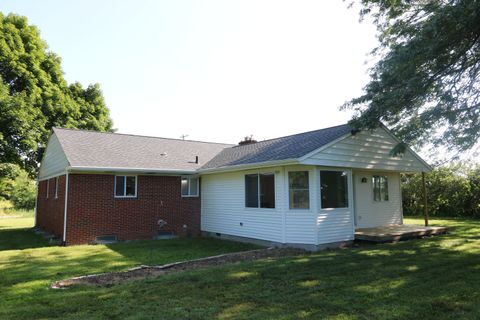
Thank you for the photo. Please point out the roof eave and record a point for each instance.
(248, 166)
(91, 169)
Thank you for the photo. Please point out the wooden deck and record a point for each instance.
(396, 232)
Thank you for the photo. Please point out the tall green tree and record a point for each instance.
(425, 84)
(34, 96)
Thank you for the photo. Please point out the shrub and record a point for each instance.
(23, 192)
(452, 190)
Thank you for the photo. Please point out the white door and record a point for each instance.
(377, 198)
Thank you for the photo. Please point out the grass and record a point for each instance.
(7, 210)
(433, 278)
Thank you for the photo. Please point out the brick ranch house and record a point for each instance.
(310, 189)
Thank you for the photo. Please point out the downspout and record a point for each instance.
(37, 184)
(65, 211)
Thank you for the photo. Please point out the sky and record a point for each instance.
(212, 70)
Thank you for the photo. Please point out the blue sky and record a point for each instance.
(213, 70)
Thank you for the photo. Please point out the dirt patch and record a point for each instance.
(142, 272)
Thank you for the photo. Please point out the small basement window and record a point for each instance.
(125, 186)
(260, 190)
(190, 187)
(380, 188)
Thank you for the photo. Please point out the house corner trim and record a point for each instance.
(65, 211)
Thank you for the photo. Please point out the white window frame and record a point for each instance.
(189, 195)
(124, 186)
(48, 187)
(349, 189)
(309, 190)
(373, 188)
(259, 195)
(56, 187)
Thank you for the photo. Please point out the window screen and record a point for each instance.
(334, 189)
(190, 187)
(260, 190)
(298, 188)
(251, 190)
(125, 186)
(380, 188)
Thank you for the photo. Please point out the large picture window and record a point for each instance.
(125, 186)
(380, 188)
(190, 187)
(334, 189)
(298, 190)
(260, 190)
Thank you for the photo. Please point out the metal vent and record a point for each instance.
(106, 239)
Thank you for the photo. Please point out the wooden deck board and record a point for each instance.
(393, 233)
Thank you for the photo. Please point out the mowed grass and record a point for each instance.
(432, 278)
(26, 274)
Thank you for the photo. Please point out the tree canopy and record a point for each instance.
(34, 96)
(425, 84)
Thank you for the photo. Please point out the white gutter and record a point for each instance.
(65, 211)
(36, 202)
(126, 169)
(239, 167)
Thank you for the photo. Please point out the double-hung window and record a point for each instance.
(190, 187)
(260, 190)
(298, 190)
(125, 186)
(380, 188)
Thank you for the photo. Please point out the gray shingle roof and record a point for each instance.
(111, 150)
(289, 147)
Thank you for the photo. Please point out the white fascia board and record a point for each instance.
(249, 166)
(88, 169)
(308, 155)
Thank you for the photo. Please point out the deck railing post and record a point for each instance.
(425, 206)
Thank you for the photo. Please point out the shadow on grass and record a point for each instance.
(434, 278)
(414, 279)
(20, 238)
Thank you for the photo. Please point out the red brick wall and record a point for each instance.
(50, 211)
(94, 211)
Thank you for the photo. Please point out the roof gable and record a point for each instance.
(284, 148)
(367, 150)
(54, 161)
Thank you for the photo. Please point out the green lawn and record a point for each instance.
(434, 278)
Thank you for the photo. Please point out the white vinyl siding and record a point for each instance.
(367, 150)
(224, 211)
(371, 213)
(335, 226)
(54, 161)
